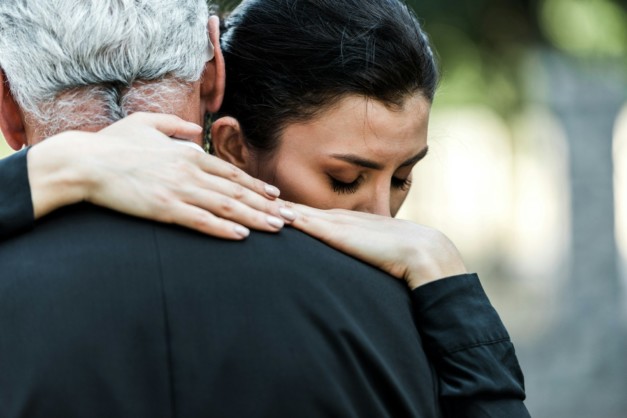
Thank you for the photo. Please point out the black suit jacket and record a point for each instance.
(69, 345)
(103, 315)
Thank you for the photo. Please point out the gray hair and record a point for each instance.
(63, 54)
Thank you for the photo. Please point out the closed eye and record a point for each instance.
(341, 187)
(401, 184)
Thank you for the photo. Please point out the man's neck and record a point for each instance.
(90, 109)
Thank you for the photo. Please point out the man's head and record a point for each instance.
(76, 64)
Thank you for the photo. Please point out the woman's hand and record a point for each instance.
(414, 253)
(134, 167)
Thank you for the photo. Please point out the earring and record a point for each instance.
(207, 143)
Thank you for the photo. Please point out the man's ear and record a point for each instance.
(214, 75)
(11, 122)
(228, 142)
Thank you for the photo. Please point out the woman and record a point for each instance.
(346, 130)
(335, 113)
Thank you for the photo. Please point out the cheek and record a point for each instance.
(312, 192)
(310, 186)
(300, 184)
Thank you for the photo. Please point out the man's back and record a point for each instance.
(105, 315)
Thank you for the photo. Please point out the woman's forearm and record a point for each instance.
(134, 167)
(56, 175)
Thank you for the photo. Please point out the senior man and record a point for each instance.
(103, 315)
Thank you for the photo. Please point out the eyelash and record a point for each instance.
(340, 187)
(401, 184)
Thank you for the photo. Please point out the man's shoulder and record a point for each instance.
(252, 315)
(84, 232)
(94, 254)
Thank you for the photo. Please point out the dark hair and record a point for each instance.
(288, 60)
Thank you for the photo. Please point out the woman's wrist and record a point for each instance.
(444, 260)
(55, 173)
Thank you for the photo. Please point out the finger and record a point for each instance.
(202, 221)
(334, 226)
(232, 209)
(311, 212)
(313, 221)
(169, 125)
(220, 168)
(214, 27)
(238, 192)
(339, 216)
(189, 144)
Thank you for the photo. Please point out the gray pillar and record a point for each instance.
(580, 368)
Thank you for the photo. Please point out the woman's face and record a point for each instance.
(357, 155)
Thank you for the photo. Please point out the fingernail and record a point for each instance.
(275, 222)
(195, 126)
(241, 231)
(288, 214)
(272, 191)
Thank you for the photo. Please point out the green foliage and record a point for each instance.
(223, 6)
(586, 28)
(483, 44)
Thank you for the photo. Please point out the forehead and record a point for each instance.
(358, 125)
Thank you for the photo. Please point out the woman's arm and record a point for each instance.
(414, 253)
(479, 374)
(16, 209)
(477, 368)
(134, 167)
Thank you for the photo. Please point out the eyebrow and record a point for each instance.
(362, 162)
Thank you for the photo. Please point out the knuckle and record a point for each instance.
(209, 163)
(166, 216)
(187, 192)
(304, 220)
(234, 174)
(269, 207)
(200, 220)
(238, 193)
(189, 154)
(227, 206)
(180, 169)
(163, 199)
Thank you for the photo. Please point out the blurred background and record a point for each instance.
(527, 173)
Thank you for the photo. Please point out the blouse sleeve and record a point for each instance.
(16, 206)
(474, 358)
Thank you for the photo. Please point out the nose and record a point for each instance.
(378, 203)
